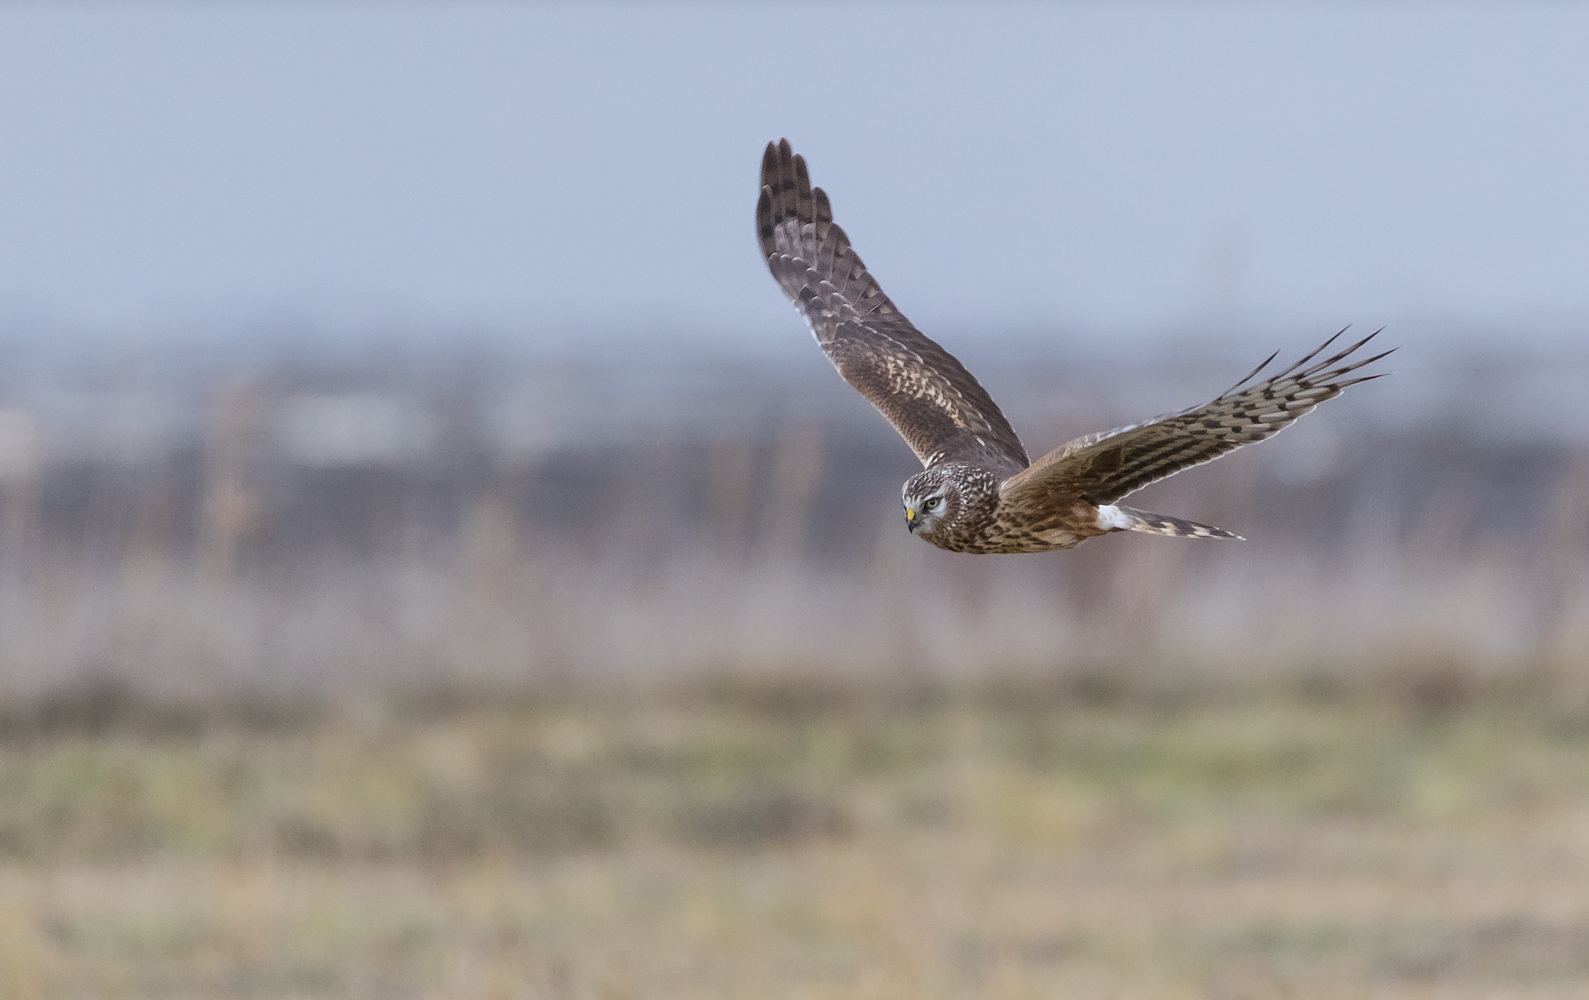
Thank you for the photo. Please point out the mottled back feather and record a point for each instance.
(929, 397)
(1102, 468)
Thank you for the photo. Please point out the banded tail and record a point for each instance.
(1116, 517)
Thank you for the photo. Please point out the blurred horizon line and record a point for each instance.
(781, 327)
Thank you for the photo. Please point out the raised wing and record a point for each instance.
(1103, 468)
(929, 397)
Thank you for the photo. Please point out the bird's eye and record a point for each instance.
(932, 503)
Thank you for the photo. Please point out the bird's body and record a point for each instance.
(979, 492)
(979, 516)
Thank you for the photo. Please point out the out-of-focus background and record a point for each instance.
(435, 560)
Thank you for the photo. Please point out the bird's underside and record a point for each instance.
(979, 492)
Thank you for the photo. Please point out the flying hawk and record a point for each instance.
(980, 493)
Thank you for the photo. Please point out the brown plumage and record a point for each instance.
(979, 492)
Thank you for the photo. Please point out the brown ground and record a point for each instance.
(774, 841)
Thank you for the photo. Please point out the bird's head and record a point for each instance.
(932, 501)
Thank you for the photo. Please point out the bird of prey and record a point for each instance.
(979, 492)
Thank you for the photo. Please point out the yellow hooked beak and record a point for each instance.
(910, 519)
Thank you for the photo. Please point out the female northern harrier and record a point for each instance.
(979, 492)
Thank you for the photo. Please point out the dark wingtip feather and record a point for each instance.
(769, 165)
(802, 192)
(785, 164)
(1361, 378)
(764, 226)
(1354, 366)
(1311, 354)
(1250, 375)
(1335, 358)
(824, 212)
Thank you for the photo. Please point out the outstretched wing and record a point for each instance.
(929, 397)
(1102, 468)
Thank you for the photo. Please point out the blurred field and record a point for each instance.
(1419, 837)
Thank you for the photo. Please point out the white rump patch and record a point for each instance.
(1112, 518)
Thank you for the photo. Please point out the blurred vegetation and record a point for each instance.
(316, 521)
(1096, 837)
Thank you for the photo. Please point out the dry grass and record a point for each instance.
(786, 841)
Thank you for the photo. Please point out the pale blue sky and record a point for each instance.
(1093, 166)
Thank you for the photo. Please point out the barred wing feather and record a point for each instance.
(940, 410)
(1103, 468)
